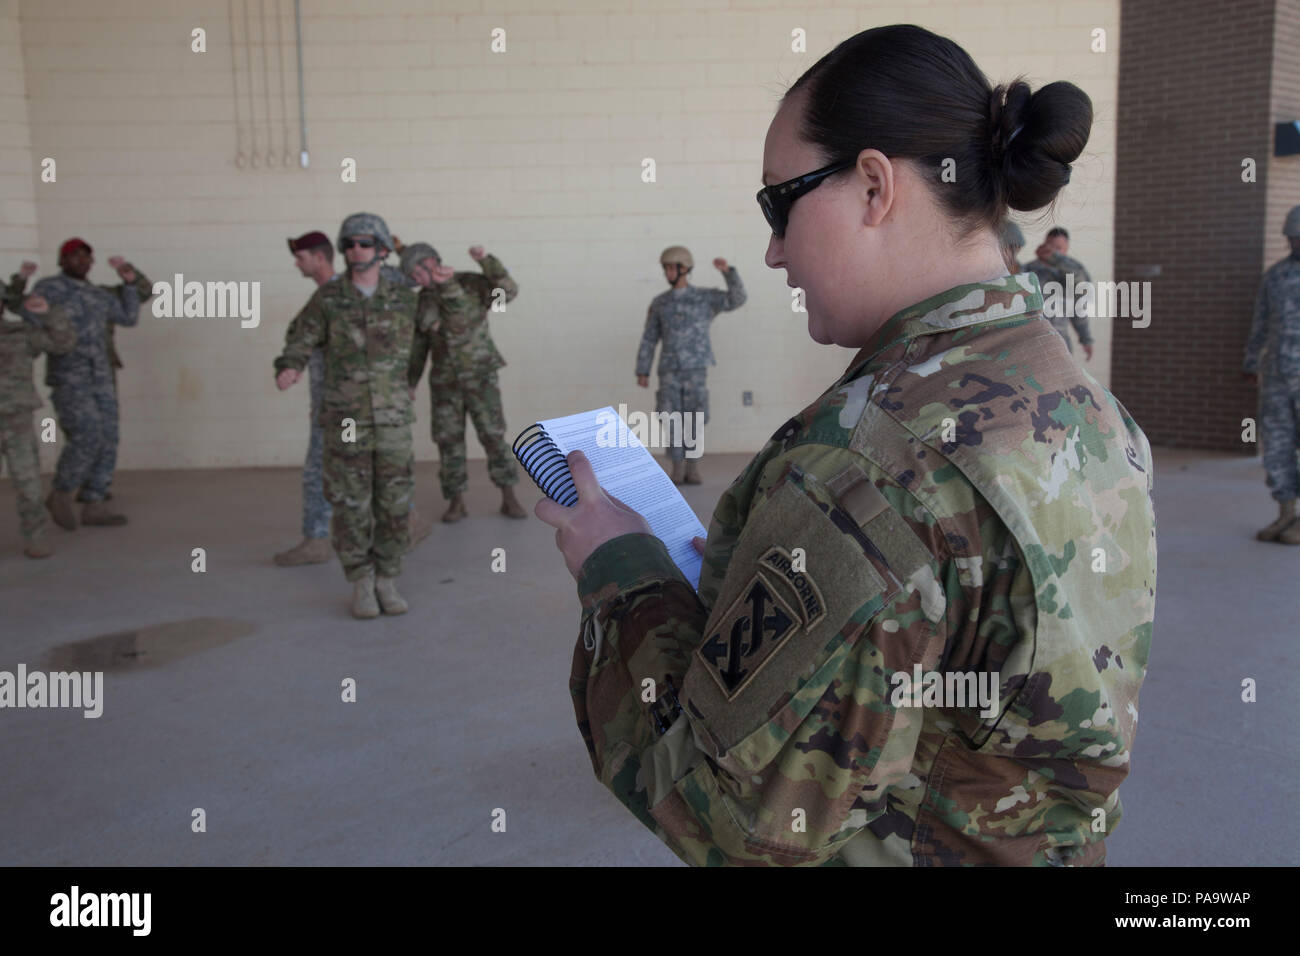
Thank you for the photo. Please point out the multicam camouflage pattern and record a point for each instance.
(367, 349)
(1274, 349)
(460, 346)
(315, 507)
(367, 344)
(480, 399)
(1055, 270)
(463, 372)
(370, 482)
(681, 318)
(23, 336)
(953, 496)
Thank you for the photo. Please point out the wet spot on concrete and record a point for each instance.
(147, 646)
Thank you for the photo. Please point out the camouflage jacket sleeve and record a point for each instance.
(52, 332)
(649, 339)
(14, 293)
(426, 324)
(306, 332)
(1080, 319)
(454, 297)
(498, 278)
(787, 743)
(1259, 330)
(734, 296)
(130, 296)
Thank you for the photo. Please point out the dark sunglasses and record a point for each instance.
(775, 201)
(347, 244)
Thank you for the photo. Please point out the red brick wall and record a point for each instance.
(1195, 99)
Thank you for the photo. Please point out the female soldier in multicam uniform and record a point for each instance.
(965, 507)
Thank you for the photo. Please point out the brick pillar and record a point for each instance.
(1200, 82)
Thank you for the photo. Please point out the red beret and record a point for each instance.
(309, 240)
(72, 245)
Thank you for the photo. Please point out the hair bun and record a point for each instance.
(1035, 138)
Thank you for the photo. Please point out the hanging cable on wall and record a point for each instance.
(284, 98)
(240, 158)
(266, 84)
(302, 107)
(248, 66)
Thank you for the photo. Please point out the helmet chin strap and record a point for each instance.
(355, 267)
(681, 271)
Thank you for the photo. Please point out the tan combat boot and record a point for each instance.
(62, 510)
(36, 548)
(364, 605)
(676, 473)
(455, 511)
(692, 472)
(1285, 518)
(96, 512)
(510, 506)
(310, 551)
(1290, 534)
(389, 599)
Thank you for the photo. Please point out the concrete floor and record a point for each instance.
(462, 705)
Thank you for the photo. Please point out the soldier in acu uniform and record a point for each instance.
(680, 318)
(1274, 350)
(27, 328)
(463, 364)
(364, 325)
(964, 501)
(84, 392)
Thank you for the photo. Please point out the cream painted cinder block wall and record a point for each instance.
(535, 152)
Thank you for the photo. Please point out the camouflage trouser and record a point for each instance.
(315, 509)
(18, 451)
(481, 398)
(685, 391)
(369, 482)
(1279, 433)
(88, 417)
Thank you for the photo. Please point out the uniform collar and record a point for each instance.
(958, 307)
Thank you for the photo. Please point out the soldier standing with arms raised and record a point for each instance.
(462, 369)
(32, 328)
(1273, 350)
(680, 318)
(84, 394)
(364, 324)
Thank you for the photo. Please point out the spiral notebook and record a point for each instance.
(624, 467)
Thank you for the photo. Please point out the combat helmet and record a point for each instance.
(416, 253)
(366, 224)
(678, 254)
